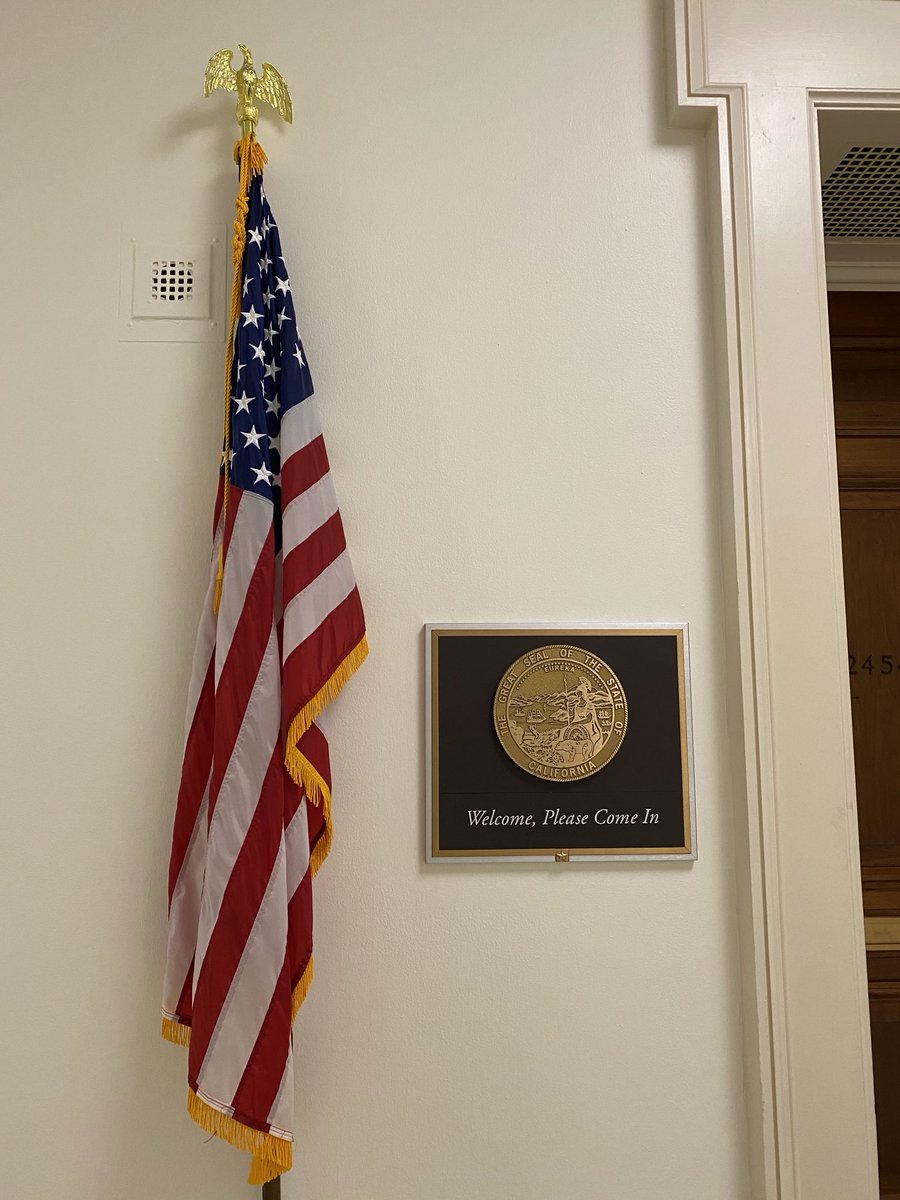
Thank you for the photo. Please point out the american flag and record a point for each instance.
(253, 819)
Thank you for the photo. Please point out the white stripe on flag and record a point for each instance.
(309, 608)
(254, 981)
(299, 426)
(282, 1111)
(252, 523)
(206, 640)
(184, 909)
(308, 512)
(184, 912)
(240, 790)
(297, 860)
(297, 849)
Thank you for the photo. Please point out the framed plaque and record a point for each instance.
(549, 743)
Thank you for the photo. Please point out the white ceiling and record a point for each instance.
(838, 131)
(864, 263)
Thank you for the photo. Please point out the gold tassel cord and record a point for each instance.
(251, 159)
(271, 1155)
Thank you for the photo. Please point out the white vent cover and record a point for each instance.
(171, 291)
(172, 281)
(861, 196)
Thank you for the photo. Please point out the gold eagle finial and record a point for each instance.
(250, 87)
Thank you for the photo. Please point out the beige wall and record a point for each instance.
(499, 255)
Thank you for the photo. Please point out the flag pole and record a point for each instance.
(251, 88)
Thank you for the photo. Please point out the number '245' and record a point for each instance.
(887, 665)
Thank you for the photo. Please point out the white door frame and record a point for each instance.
(757, 72)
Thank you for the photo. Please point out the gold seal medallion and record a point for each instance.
(560, 713)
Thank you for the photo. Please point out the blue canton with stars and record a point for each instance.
(269, 375)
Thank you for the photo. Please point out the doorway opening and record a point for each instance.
(860, 171)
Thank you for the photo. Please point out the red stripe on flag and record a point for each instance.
(234, 503)
(183, 1009)
(261, 1080)
(217, 509)
(194, 775)
(317, 825)
(293, 793)
(243, 896)
(310, 665)
(245, 656)
(304, 468)
(300, 920)
(310, 558)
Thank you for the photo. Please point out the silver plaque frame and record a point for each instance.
(557, 630)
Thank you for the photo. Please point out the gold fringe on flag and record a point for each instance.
(174, 1031)
(251, 158)
(301, 991)
(271, 1155)
(300, 768)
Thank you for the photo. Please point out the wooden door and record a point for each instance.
(865, 354)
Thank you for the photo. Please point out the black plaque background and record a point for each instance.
(474, 771)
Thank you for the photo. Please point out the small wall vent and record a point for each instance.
(861, 196)
(172, 280)
(172, 290)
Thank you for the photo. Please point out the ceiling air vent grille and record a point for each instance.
(861, 196)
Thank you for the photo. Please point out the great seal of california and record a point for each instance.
(560, 713)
